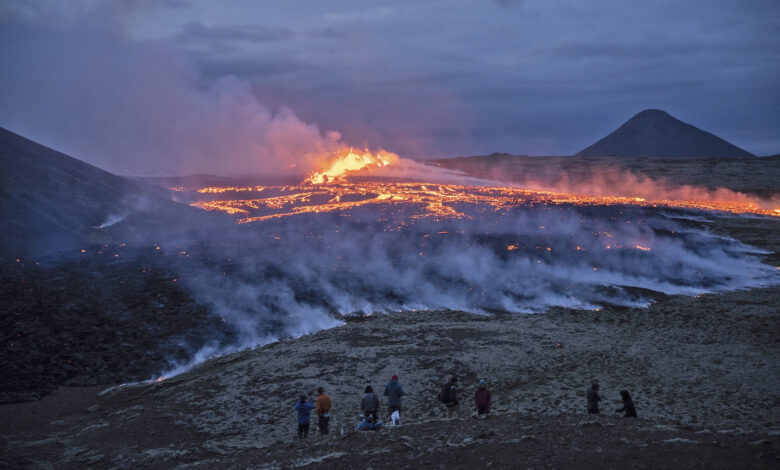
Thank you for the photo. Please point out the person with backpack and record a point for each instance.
(628, 405)
(593, 398)
(369, 404)
(394, 391)
(482, 399)
(323, 410)
(448, 396)
(304, 407)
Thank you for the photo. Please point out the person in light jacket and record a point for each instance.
(323, 410)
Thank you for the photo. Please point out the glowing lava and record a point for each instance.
(349, 162)
(438, 201)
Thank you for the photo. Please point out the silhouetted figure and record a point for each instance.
(448, 396)
(394, 391)
(593, 398)
(369, 404)
(482, 398)
(304, 407)
(628, 405)
(323, 410)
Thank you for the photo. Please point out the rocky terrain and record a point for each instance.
(702, 370)
(110, 314)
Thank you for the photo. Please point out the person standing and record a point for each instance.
(394, 391)
(323, 410)
(369, 404)
(448, 396)
(304, 407)
(628, 405)
(593, 398)
(482, 399)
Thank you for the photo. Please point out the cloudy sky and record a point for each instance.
(173, 86)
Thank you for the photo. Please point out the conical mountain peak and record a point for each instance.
(656, 133)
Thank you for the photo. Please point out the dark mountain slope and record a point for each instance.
(103, 305)
(51, 202)
(655, 133)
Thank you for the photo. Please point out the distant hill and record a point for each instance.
(51, 202)
(655, 133)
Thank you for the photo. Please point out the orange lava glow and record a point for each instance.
(439, 201)
(348, 162)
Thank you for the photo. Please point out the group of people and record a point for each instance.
(304, 407)
(448, 395)
(594, 398)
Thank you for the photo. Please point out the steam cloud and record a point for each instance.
(289, 277)
(612, 181)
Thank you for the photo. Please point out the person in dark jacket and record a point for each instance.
(304, 407)
(451, 403)
(369, 404)
(482, 398)
(394, 391)
(628, 405)
(593, 398)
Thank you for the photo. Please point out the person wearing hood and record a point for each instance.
(304, 407)
(593, 398)
(482, 398)
(369, 404)
(628, 405)
(394, 391)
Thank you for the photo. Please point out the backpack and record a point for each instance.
(444, 394)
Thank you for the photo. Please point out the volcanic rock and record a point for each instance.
(50, 202)
(655, 133)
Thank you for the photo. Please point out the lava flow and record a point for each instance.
(329, 190)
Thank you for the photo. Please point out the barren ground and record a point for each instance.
(703, 371)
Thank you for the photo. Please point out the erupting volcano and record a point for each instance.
(347, 162)
(355, 241)
(344, 183)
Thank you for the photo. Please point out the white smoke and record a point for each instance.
(293, 276)
(110, 220)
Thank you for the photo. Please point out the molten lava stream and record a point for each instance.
(431, 200)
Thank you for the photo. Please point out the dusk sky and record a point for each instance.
(145, 87)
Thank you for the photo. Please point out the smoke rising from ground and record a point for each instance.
(289, 277)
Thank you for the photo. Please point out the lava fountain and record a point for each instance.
(347, 162)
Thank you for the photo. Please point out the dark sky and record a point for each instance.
(171, 86)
